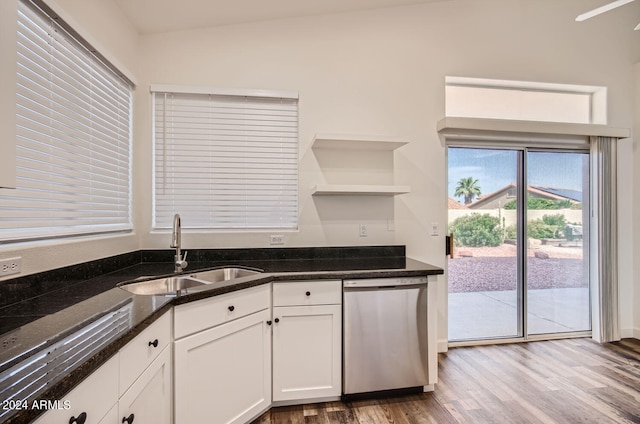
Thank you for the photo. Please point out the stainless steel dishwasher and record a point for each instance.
(385, 334)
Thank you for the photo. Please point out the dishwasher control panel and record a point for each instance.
(385, 282)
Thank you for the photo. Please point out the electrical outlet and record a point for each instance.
(275, 239)
(363, 230)
(9, 342)
(10, 266)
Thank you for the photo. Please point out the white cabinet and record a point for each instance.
(138, 354)
(223, 373)
(91, 400)
(148, 400)
(137, 380)
(307, 340)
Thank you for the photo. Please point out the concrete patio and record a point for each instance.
(493, 314)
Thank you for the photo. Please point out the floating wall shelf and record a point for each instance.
(356, 142)
(359, 190)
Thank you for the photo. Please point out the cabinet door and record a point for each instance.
(136, 356)
(90, 400)
(148, 400)
(307, 359)
(223, 374)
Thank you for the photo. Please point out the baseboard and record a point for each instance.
(443, 346)
(304, 401)
(630, 333)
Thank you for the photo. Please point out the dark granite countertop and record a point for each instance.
(89, 299)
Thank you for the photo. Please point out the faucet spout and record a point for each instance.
(176, 235)
(180, 261)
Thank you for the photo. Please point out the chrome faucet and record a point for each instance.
(180, 261)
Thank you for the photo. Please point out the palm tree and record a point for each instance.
(469, 188)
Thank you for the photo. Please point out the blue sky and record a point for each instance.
(495, 169)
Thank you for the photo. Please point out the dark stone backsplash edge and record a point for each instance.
(19, 289)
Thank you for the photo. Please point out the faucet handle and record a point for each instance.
(181, 262)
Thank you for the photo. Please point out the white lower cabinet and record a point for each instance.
(144, 397)
(148, 400)
(90, 401)
(223, 374)
(307, 352)
(307, 340)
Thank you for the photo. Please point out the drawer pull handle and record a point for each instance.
(154, 343)
(277, 320)
(231, 308)
(269, 322)
(129, 419)
(80, 419)
(308, 293)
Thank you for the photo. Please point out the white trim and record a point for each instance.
(250, 92)
(501, 130)
(524, 85)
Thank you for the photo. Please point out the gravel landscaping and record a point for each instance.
(494, 268)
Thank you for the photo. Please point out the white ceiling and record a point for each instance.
(152, 16)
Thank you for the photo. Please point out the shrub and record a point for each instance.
(510, 232)
(557, 220)
(538, 229)
(476, 230)
(535, 203)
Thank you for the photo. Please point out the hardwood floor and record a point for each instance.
(560, 381)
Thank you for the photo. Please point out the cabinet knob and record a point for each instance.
(277, 320)
(129, 419)
(154, 343)
(231, 308)
(269, 322)
(308, 293)
(80, 419)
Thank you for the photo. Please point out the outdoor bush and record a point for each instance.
(557, 220)
(510, 232)
(538, 229)
(535, 203)
(550, 226)
(476, 230)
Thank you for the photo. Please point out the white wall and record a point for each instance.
(104, 26)
(382, 72)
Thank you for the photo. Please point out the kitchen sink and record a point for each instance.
(173, 286)
(223, 274)
(169, 285)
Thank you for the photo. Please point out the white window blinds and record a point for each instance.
(225, 161)
(73, 116)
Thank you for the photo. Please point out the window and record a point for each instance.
(73, 114)
(225, 160)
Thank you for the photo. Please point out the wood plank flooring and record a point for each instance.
(559, 381)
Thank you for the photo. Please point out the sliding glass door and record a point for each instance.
(558, 242)
(519, 266)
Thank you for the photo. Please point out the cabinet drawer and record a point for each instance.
(206, 313)
(138, 354)
(92, 398)
(301, 293)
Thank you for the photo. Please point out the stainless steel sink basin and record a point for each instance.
(173, 286)
(223, 274)
(169, 285)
